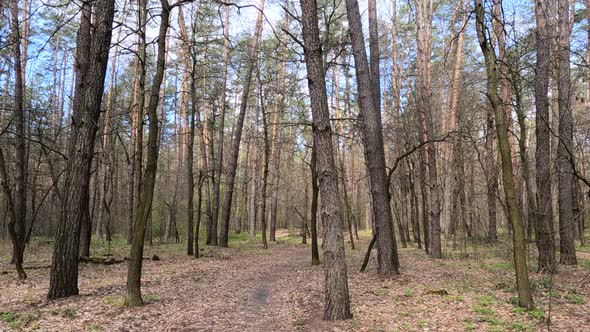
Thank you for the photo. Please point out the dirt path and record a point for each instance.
(246, 288)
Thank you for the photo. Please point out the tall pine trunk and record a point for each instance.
(233, 161)
(337, 302)
(133, 294)
(92, 59)
(372, 134)
(525, 298)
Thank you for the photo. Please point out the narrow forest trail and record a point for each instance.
(247, 288)
(243, 288)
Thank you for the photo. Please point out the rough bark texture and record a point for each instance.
(133, 294)
(337, 302)
(189, 119)
(525, 298)
(276, 136)
(565, 152)
(17, 224)
(545, 238)
(92, 59)
(233, 161)
(491, 176)
(423, 17)
(315, 254)
(221, 129)
(388, 262)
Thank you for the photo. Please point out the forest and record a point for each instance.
(294, 165)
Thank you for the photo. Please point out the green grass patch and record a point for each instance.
(493, 320)
(500, 266)
(575, 298)
(469, 325)
(115, 300)
(485, 301)
(408, 292)
(12, 319)
(70, 313)
(519, 326)
(483, 310)
(537, 314)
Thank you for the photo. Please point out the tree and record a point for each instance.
(221, 129)
(424, 36)
(17, 204)
(372, 135)
(313, 165)
(525, 298)
(92, 52)
(133, 294)
(337, 302)
(233, 161)
(544, 216)
(565, 151)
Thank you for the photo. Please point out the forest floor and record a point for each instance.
(247, 288)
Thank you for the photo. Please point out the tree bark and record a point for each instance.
(276, 136)
(17, 224)
(133, 294)
(565, 153)
(370, 114)
(315, 254)
(525, 298)
(265, 162)
(337, 302)
(221, 129)
(92, 60)
(233, 161)
(424, 17)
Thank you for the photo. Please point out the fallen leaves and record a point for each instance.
(247, 288)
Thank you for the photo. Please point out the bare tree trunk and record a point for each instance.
(424, 17)
(370, 114)
(525, 298)
(266, 155)
(253, 215)
(491, 176)
(199, 205)
(565, 152)
(189, 135)
(133, 295)
(315, 253)
(337, 302)
(17, 224)
(92, 60)
(221, 130)
(276, 136)
(233, 161)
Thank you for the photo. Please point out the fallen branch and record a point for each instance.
(368, 254)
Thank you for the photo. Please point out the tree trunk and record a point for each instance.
(266, 156)
(92, 60)
(565, 153)
(525, 298)
(221, 129)
(133, 294)
(276, 136)
(423, 16)
(491, 176)
(337, 302)
(17, 224)
(370, 114)
(233, 161)
(315, 253)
